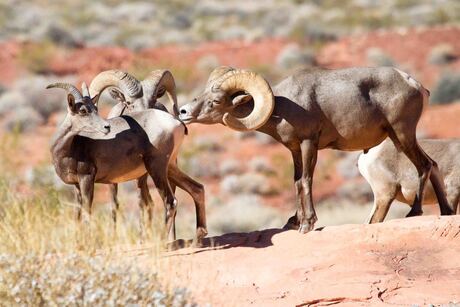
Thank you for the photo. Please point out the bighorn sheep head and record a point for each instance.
(81, 111)
(226, 89)
(133, 94)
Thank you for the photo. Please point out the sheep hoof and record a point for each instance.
(307, 227)
(413, 212)
(292, 223)
(201, 232)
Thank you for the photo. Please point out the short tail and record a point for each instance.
(415, 84)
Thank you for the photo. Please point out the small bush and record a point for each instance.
(207, 63)
(206, 143)
(243, 213)
(441, 55)
(357, 192)
(251, 183)
(293, 57)
(377, 57)
(230, 166)
(60, 36)
(260, 165)
(447, 89)
(74, 280)
(23, 119)
(45, 102)
(2, 89)
(37, 57)
(264, 139)
(44, 176)
(10, 100)
(202, 167)
(347, 166)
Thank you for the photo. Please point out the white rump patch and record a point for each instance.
(411, 81)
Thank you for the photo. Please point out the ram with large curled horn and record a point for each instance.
(132, 96)
(345, 109)
(88, 149)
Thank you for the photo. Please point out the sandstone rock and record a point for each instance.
(409, 262)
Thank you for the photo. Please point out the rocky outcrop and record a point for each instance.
(414, 261)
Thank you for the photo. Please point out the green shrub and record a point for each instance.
(37, 57)
(447, 89)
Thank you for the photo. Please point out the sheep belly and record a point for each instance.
(129, 175)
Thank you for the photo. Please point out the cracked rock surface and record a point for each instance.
(414, 261)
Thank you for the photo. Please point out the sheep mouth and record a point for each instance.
(187, 120)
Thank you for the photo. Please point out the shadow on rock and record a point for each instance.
(255, 239)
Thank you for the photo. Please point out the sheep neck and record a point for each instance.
(63, 140)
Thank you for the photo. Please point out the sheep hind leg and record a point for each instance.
(146, 199)
(143, 204)
(454, 198)
(79, 207)
(424, 165)
(196, 191)
(382, 204)
(439, 188)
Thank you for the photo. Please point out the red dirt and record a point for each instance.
(348, 265)
(87, 62)
(409, 48)
(441, 121)
(234, 53)
(10, 68)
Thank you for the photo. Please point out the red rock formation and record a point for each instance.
(401, 262)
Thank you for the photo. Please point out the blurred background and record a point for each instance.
(247, 176)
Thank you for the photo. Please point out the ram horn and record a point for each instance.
(162, 80)
(256, 86)
(129, 85)
(69, 88)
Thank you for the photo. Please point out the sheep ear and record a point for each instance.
(71, 103)
(118, 95)
(241, 99)
(161, 91)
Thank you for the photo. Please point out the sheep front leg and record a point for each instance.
(304, 158)
(306, 211)
(114, 204)
(86, 183)
(196, 190)
(158, 170)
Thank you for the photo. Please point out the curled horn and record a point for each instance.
(129, 85)
(256, 86)
(218, 73)
(69, 88)
(159, 79)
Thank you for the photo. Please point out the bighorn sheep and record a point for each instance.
(345, 109)
(391, 175)
(88, 149)
(133, 96)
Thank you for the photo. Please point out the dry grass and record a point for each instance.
(49, 259)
